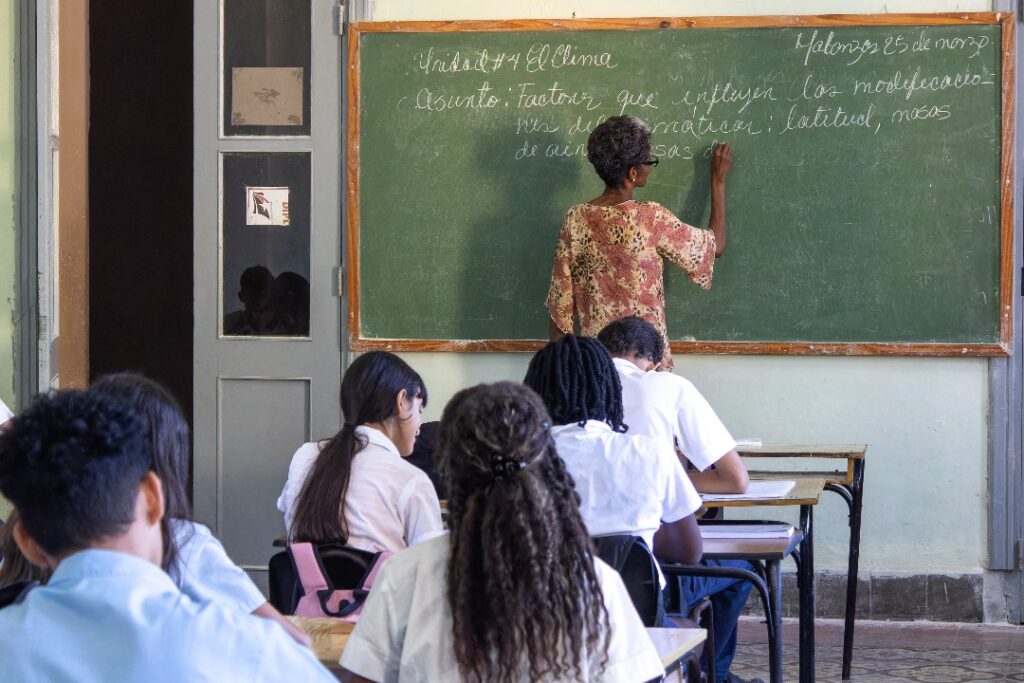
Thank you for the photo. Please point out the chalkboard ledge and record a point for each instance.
(794, 348)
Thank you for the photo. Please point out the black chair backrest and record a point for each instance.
(343, 565)
(284, 585)
(14, 592)
(632, 559)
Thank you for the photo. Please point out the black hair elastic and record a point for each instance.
(504, 468)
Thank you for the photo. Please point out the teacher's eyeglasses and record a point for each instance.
(652, 162)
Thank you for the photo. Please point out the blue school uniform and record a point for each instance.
(109, 616)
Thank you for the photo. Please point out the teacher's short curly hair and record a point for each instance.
(617, 145)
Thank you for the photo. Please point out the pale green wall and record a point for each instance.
(925, 419)
(8, 187)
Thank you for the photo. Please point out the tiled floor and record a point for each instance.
(897, 653)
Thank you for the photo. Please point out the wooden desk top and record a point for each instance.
(855, 451)
(751, 548)
(835, 462)
(330, 635)
(672, 644)
(806, 492)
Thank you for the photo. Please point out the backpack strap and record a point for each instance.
(309, 568)
(359, 593)
(375, 565)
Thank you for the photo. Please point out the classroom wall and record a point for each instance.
(8, 188)
(924, 418)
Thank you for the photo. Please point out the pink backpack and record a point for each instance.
(320, 598)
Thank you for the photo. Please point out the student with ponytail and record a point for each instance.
(356, 487)
(514, 592)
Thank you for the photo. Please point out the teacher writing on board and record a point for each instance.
(608, 262)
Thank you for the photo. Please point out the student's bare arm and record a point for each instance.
(679, 541)
(729, 476)
(267, 611)
(348, 677)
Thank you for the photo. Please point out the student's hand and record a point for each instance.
(721, 162)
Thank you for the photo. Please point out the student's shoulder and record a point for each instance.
(665, 385)
(259, 644)
(644, 443)
(430, 556)
(410, 475)
(310, 449)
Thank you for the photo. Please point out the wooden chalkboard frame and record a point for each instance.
(359, 343)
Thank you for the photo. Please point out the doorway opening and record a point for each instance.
(140, 192)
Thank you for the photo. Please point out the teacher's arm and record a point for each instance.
(554, 331)
(721, 162)
(560, 303)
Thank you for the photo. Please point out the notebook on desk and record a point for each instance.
(746, 531)
(757, 489)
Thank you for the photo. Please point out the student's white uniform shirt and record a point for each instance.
(389, 504)
(666, 406)
(628, 483)
(404, 632)
(206, 572)
(108, 616)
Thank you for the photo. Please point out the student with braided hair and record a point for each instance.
(514, 592)
(629, 483)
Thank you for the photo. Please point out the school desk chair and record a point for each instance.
(345, 566)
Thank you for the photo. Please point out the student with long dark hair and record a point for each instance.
(514, 592)
(356, 487)
(192, 555)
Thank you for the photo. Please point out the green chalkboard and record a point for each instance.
(865, 206)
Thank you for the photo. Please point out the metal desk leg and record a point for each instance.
(691, 668)
(774, 572)
(853, 494)
(854, 559)
(806, 595)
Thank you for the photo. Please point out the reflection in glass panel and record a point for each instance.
(266, 67)
(265, 269)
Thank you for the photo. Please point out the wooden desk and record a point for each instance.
(329, 636)
(766, 554)
(842, 467)
(806, 495)
(676, 645)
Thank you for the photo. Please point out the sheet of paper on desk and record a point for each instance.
(746, 530)
(748, 443)
(760, 488)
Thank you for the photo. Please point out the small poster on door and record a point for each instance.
(266, 206)
(266, 96)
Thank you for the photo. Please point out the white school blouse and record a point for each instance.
(666, 406)
(206, 572)
(109, 616)
(628, 483)
(405, 630)
(389, 504)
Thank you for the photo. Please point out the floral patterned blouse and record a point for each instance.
(608, 264)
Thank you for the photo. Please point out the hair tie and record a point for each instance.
(348, 424)
(504, 468)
